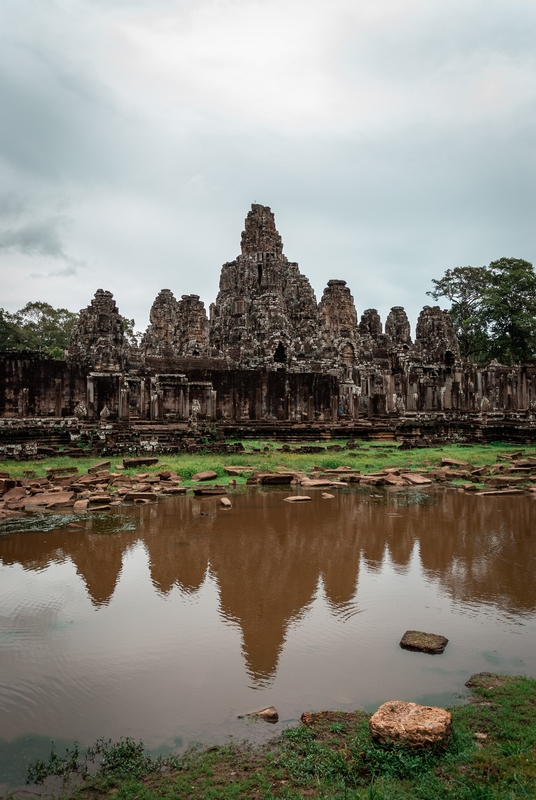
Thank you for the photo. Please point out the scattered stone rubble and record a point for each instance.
(100, 489)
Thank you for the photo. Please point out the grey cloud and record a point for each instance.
(66, 272)
(151, 202)
(42, 238)
(24, 229)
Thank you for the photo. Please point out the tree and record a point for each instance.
(10, 335)
(465, 287)
(37, 326)
(493, 309)
(509, 310)
(133, 337)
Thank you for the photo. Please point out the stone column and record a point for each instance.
(90, 397)
(57, 397)
(23, 402)
(124, 401)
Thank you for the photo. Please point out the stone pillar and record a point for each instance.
(23, 402)
(157, 405)
(258, 403)
(334, 407)
(90, 397)
(57, 398)
(124, 401)
(141, 400)
(209, 402)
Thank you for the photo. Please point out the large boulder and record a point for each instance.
(399, 722)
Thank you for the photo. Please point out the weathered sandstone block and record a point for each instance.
(411, 724)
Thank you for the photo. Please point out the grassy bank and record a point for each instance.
(270, 455)
(491, 756)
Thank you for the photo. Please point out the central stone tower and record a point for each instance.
(265, 313)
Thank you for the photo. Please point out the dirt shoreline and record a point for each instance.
(331, 754)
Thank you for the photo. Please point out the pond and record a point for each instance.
(167, 621)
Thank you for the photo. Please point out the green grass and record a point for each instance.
(335, 757)
(369, 457)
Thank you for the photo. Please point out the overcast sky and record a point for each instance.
(393, 139)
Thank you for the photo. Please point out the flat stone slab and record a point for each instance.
(453, 462)
(129, 463)
(504, 480)
(208, 491)
(140, 496)
(499, 492)
(415, 479)
(276, 478)
(55, 471)
(49, 499)
(410, 724)
(207, 475)
(99, 467)
(297, 498)
(423, 642)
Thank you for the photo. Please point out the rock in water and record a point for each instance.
(225, 502)
(410, 724)
(424, 642)
(297, 498)
(267, 714)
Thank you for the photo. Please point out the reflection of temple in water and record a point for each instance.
(267, 557)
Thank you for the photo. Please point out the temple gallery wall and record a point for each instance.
(266, 351)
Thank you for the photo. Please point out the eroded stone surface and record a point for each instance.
(98, 336)
(423, 642)
(411, 724)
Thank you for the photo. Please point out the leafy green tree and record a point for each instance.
(133, 337)
(10, 334)
(37, 326)
(508, 308)
(493, 309)
(465, 287)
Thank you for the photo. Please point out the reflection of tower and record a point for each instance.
(97, 553)
(177, 555)
(268, 565)
(267, 556)
(99, 560)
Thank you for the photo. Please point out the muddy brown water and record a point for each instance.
(165, 622)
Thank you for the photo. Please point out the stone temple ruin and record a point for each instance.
(268, 354)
